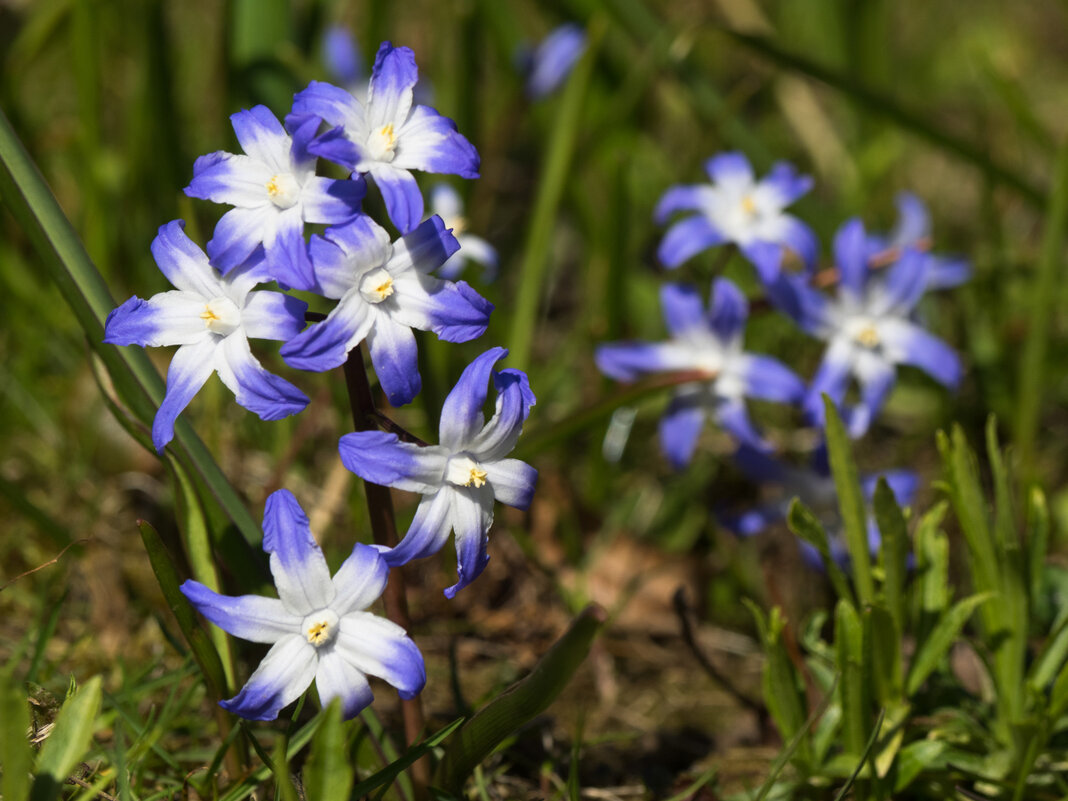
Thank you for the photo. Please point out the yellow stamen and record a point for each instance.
(385, 289)
(749, 205)
(208, 316)
(318, 633)
(476, 479)
(868, 337)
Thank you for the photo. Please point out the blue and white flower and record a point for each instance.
(317, 627)
(815, 488)
(274, 190)
(387, 137)
(737, 208)
(461, 477)
(211, 318)
(384, 291)
(709, 344)
(869, 327)
(447, 204)
(549, 64)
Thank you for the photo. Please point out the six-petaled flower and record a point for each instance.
(387, 137)
(384, 291)
(317, 626)
(709, 344)
(461, 477)
(737, 208)
(274, 191)
(868, 327)
(211, 317)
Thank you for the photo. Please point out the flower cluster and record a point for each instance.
(870, 325)
(384, 288)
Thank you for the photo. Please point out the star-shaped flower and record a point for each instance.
(387, 137)
(384, 291)
(710, 344)
(462, 476)
(869, 327)
(274, 191)
(737, 208)
(211, 318)
(316, 627)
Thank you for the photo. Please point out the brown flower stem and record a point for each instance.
(384, 530)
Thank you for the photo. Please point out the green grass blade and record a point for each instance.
(555, 175)
(931, 594)
(932, 650)
(851, 657)
(394, 768)
(782, 688)
(62, 255)
(850, 503)
(204, 652)
(1032, 376)
(894, 551)
(68, 741)
(328, 772)
(805, 525)
(15, 754)
(526, 698)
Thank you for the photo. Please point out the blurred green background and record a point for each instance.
(961, 104)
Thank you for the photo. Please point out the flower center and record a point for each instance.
(283, 190)
(221, 316)
(376, 285)
(381, 143)
(458, 224)
(320, 627)
(463, 471)
(749, 206)
(868, 336)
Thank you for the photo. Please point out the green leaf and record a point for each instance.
(328, 772)
(853, 687)
(1032, 364)
(397, 766)
(526, 698)
(850, 502)
(934, 648)
(1052, 657)
(283, 781)
(962, 477)
(64, 259)
(915, 758)
(204, 652)
(893, 551)
(782, 687)
(805, 525)
(931, 596)
(886, 667)
(15, 755)
(71, 735)
(1037, 541)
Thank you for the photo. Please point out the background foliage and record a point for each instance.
(961, 104)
